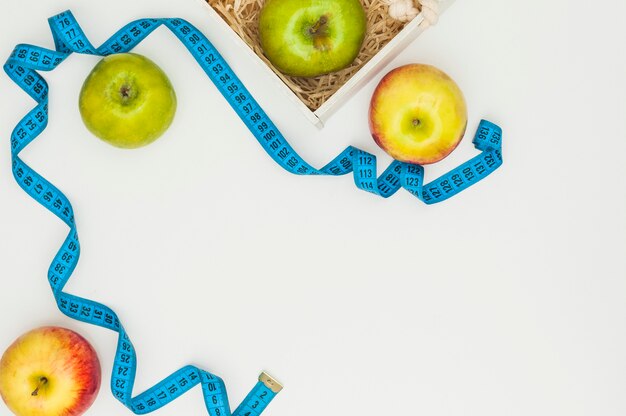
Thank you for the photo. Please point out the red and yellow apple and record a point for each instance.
(417, 114)
(49, 371)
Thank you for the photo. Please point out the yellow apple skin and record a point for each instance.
(417, 114)
(49, 371)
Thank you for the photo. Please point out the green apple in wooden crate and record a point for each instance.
(307, 38)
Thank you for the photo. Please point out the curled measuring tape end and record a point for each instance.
(270, 382)
(22, 67)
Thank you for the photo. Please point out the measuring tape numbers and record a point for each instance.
(23, 65)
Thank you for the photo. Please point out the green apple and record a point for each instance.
(127, 100)
(417, 114)
(49, 371)
(307, 38)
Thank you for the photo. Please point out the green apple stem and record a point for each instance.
(42, 382)
(126, 93)
(416, 122)
(319, 25)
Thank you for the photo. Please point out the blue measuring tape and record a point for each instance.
(22, 67)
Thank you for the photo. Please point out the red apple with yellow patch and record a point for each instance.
(417, 114)
(49, 371)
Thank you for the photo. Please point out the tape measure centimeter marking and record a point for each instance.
(68, 36)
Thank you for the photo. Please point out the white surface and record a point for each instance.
(505, 300)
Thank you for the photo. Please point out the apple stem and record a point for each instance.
(125, 92)
(318, 25)
(416, 122)
(42, 382)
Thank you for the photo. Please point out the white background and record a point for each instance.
(505, 300)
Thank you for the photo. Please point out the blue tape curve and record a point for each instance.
(22, 67)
